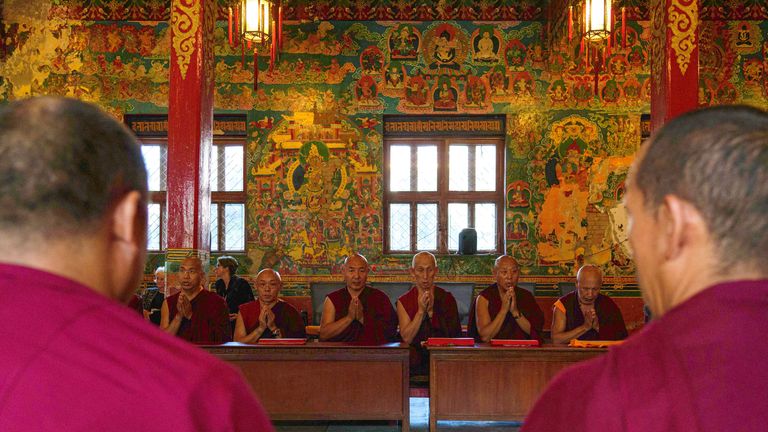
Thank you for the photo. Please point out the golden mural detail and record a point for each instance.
(659, 35)
(185, 21)
(209, 27)
(683, 23)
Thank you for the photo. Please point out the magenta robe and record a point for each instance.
(287, 319)
(527, 306)
(379, 316)
(210, 319)
(700, 367)
(444, 323)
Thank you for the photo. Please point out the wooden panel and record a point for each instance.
(325, 380)
(484, 383)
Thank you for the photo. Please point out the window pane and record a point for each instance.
(234, 227)
(233, 168)
(215, 170)
(458, 164)
(214, 227)
(400, 168)
(400, 227)
(458, 219)
(155, 167)
(485, 168)
(427, 168)
(154, 226)
(426, 226)
(485, 224)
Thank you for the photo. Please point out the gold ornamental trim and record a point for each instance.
(658, 38)
(683, 24)
(185, 22)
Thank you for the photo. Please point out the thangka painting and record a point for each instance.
(315, 179)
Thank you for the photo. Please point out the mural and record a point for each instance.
(315, 122)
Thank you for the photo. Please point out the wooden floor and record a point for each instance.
(419, 422)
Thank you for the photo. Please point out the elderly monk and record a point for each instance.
(425, 311)
(585, 314)
(268, 317)
(73, 238)
(697, 196)
(195, 314)
(504, 310)
(358, 312)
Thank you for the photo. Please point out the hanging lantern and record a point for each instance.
(597, 20)
(256, 25)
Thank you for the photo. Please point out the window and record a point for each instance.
(227, 193)
(435, 187)
(155, 154)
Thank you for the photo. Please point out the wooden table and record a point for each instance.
(485, 383)
(325, 380)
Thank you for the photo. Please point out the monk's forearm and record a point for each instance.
(412, 328)
(488, 332)
(328, 331)
(173, 326)
(252, 337)
(565, 336)
(524, 324)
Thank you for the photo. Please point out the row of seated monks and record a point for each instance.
(361, 314)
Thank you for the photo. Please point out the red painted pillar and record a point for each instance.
(190, 121)
(674, 59)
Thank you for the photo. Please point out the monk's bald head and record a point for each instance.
(506, 270)
(268, 285)
(424, 258)
(589, 281)
(355, 272)
(423, 269)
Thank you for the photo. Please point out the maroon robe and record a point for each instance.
(78, 361)
(527, 306)
(444, 323)
(287, 319)
(210, 319)
(700, 367)
(608, 316)
(379, 316)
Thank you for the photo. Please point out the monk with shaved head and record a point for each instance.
(268, 316)
(585, 314)
(504, 310)
(358, 313)
(426, 311)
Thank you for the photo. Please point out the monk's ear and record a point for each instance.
(680, 224)
(127, 219)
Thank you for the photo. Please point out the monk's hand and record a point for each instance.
(263, 325)
(184, 306)
(352, 311)
(593, 318)
(359, 311)
(507, 300)
(269, 319)
(424, 301)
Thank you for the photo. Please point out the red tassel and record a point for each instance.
(272, 54)
(250, 45)
(623, 27)
(255, 71)
(229, 25)
(237, 26)
(242, 54)
(570, 23)
(280, 26)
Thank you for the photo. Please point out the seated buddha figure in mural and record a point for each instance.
(485, 48)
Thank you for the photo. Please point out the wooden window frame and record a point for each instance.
(443, 196)
(229, 197)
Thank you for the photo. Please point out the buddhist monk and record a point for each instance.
(697, 197)
(73, 238)
(195, 314)
(268, 317)
(425, 311)
(504, 310)
(585, 314)
(358, 313)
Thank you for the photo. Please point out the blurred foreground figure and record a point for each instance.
(73, 196)
(697, 196)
